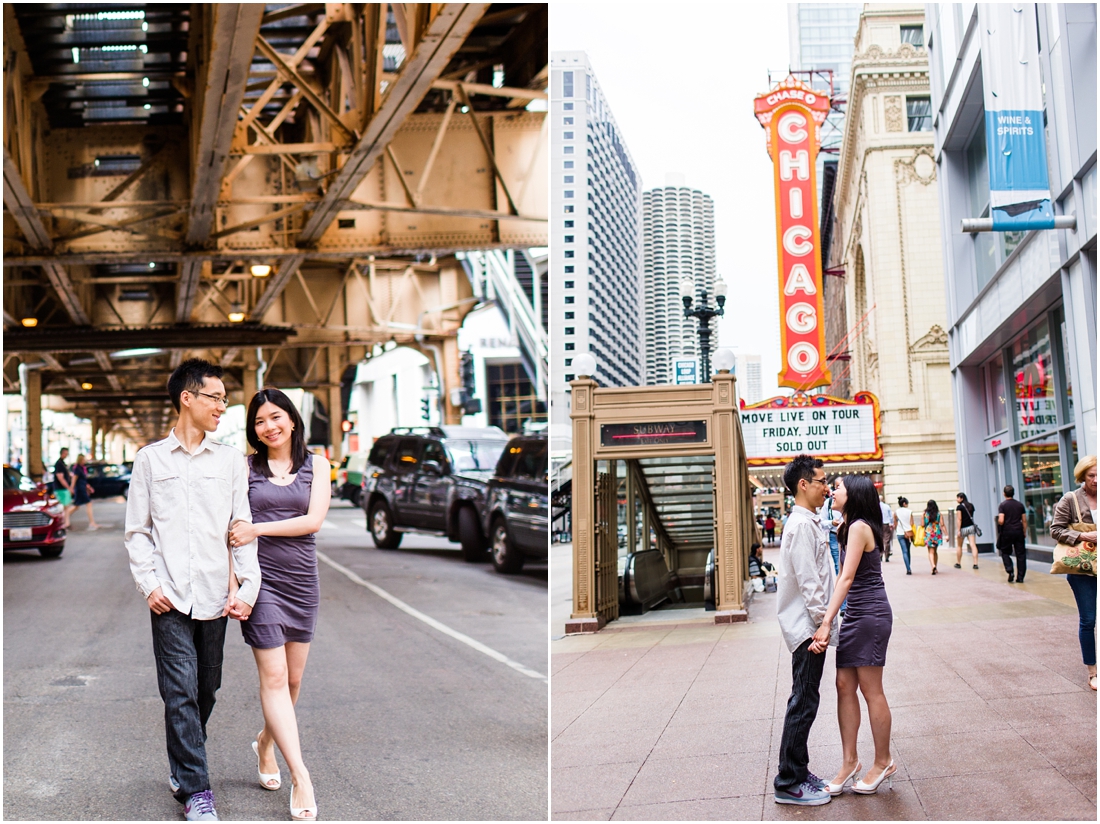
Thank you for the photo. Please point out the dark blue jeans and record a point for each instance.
(1084, 590)
(189, 673)
(904, 543)
(794, 756)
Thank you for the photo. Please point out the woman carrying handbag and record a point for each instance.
(1074, 528)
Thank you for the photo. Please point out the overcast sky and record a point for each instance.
(680, 80)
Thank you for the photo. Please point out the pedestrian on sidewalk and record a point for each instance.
(932, 523)
(82, 491)
(1079, 506)
(903, 526)
(805, 587)
(289, 494)
(887, 529)
(965, 530)
(185, 493)
(63, 485)
(769, 528)
(864, 634)
(1012, 519)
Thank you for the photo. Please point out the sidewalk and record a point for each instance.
(672, 717)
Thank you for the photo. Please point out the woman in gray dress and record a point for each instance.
(289, 492)
(864, 634)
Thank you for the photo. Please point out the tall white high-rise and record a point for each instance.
(678, 241)
(595, 265)
(749, 384)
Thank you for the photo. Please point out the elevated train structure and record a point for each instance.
(282, 189)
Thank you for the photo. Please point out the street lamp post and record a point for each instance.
(704, 313)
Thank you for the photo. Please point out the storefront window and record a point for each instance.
(1042, 473)
(1067, 372)
(998, 397)
(1033, 371)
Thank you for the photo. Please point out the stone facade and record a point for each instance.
(888, 241)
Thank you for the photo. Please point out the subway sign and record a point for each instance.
(792, 114)
(832, 429)
(653, 433)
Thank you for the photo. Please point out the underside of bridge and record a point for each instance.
(282, 189)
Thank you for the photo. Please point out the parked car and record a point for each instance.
(516, 515)
(108, 480)
(431, 480)
(349, 477)
(33, 517)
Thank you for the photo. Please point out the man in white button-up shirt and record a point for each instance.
(185, 493)
(805, 586)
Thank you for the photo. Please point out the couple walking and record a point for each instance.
(212, 537)
(807, 607)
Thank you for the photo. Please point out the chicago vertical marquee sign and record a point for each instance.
(792, 114)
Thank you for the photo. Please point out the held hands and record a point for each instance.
(242, 532)
(820, 640)
(237, 609)
(158, 602)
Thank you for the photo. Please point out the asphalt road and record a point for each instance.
(399, 719)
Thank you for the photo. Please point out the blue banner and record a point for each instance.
(1019, 187)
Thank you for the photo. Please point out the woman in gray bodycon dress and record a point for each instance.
(289, 491)
(864, 634)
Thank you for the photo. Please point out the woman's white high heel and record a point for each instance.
(872, 788)
(837, 789)
(299, 813)
(266, 778)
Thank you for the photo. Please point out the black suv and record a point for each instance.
(515, 515)
(433, 480)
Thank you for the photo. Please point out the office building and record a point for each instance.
(1020, 306)
(888, 246)
(677, 242)
(749, 381)
(595, 217)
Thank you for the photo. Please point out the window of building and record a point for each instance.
(569, 178)
(568, 378)
(569, 238)
(569, 253)
(568, 193)
(567, 150)
(569, 208)
(569, 316)
(569, 284)
(568, 164)
(568, 361)
(568, 224)
(567, 85)
(568, 121)
(569, 347)
(569, 330)
(567, 136)
(568, 270)
(997, 395)
(919, 110)
(512, 399)
(570, 299)
(914, 35)
(567, 107)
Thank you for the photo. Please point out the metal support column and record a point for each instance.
(31, 384)
(335, 413)
(584, 617)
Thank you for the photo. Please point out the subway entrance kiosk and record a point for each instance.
(678, 454)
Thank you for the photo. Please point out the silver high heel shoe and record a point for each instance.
(872, 788)
(837, 789)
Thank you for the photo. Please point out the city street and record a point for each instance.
(428, 704)
(667, 716)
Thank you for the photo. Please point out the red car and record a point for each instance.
(33, 517)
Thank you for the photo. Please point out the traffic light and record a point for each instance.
(426, 409)
(471, 405)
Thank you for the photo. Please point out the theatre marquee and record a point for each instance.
(833, 429)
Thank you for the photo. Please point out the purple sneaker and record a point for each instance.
(200, 807)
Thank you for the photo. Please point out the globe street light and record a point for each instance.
(704, 313)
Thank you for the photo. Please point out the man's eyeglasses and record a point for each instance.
(215, 398)
(820, 481)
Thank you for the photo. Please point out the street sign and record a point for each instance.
(686, 370)
(832, 429)
(652, 433)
